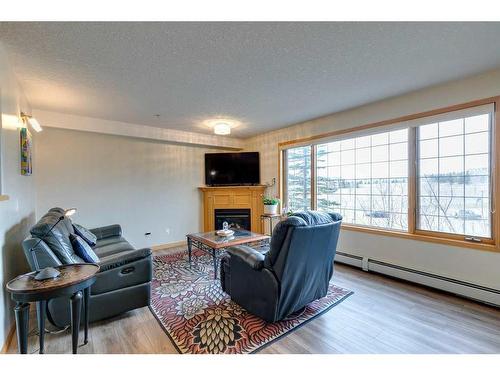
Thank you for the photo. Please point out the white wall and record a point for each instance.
(17, 214)
(474, 266)
(145, 186)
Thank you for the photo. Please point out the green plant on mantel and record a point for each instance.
(270, 201)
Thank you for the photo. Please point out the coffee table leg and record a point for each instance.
(22, 313)
(76, 309)
(86, 309)
(41, 307)
(215, 263)
(189, 242)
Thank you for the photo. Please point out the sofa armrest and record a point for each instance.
(123, 257)
(114, 230)
(250, 256)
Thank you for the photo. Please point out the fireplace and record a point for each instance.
(247, 198)
(237, 218)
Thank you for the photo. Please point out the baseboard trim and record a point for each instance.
(8, 339)
(469, 290)
(168, 245)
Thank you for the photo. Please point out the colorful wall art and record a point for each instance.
(26, 152)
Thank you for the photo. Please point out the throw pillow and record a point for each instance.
(82, 249)
(84, 233)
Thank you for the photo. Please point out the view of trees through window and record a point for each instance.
(365, 179)
(298, 178)
(454, 176)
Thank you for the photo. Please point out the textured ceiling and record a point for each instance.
(265, 75)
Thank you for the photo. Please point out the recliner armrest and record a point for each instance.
(114, 230)
(249, 255)
(124, 257)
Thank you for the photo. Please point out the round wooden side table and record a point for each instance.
(74, 281)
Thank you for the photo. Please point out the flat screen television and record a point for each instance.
(232, 168)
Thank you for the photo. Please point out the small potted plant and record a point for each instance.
(270, 205)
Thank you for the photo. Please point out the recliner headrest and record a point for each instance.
(56, 238)
(298, 219)
(316, 217)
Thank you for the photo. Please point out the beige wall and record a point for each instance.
(18, 213)
(143, 185)
(468, 265)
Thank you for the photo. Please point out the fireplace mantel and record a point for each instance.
(233, 197)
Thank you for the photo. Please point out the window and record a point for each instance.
(431, 177)
(298, 178)
(366, 179)
(454, 176)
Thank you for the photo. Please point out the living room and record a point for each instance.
(249, 187)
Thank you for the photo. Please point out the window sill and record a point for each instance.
(4, 197)
(421, 237)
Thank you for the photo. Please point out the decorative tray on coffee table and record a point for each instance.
(225, 232)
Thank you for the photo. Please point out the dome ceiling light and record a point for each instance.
(222, 128)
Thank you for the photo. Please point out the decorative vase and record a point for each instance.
(271, 209)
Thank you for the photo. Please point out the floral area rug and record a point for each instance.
(200, 318)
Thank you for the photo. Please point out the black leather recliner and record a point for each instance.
(294, 272)
(123, 282)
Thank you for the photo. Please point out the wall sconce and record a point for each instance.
(32, 121)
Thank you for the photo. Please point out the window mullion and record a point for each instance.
(494, 174)
(283, 191)
(412, 180)
(314, 203)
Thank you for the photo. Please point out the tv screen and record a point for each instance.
(232, 168)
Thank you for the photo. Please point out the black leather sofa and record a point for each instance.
(295, 271)
(124, 279)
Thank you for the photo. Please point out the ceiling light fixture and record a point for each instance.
(32, 121)
(222, 128)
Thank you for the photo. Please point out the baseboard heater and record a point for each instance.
(465, 289)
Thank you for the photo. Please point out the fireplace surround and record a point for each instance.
(232, 198)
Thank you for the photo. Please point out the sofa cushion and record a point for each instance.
(83, 249)
(110, 240)
(85, 234)
(122, 258)
(110, 246)
(58, 239)
(113, 230)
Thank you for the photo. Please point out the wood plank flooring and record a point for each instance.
(383, 316)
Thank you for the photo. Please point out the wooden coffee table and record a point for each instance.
(214, 245)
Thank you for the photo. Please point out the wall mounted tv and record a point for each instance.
(232, 168)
